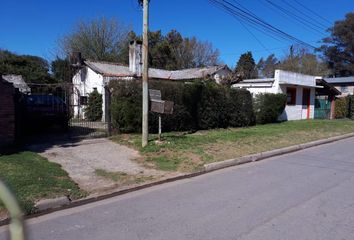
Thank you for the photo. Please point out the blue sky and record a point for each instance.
(33, 26)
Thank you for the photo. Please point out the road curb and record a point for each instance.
(207, 168)
(272, 153)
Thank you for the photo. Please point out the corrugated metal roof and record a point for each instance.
(340, 80)
(117, 70)
(18, 82)
(110, 69)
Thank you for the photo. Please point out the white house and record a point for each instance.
(97, 74)
(299, 88)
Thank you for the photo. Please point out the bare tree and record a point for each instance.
(301, 60)
(98, 39)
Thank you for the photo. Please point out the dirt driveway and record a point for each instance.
(83, 158)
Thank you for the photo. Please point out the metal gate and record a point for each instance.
(53, 108)
(322, 109)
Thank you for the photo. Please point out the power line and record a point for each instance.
(304, 14)
(297, 18)
(253, 20)
(311, 11)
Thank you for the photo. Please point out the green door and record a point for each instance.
(322, 109)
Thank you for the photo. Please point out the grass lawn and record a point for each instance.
(189, 152)
(32, 177)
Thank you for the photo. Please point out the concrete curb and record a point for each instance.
(259, 156)
(53, 205)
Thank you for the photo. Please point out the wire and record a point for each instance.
(297, 18)
(313, 12)
(253, 19)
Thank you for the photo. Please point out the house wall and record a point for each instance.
(298, 111)
(7, 114)
(284, 79)
(85, 80)
(221, 74)
(345, 89)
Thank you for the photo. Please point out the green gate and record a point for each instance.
(322, 109)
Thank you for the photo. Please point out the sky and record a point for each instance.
(34, 26)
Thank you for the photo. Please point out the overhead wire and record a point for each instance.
(252, 19)
(314, 28)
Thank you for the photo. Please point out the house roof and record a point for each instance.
(327, 88)
(116, 70)
(18, 82)
(340, 80)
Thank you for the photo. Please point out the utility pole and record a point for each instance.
(145, 127)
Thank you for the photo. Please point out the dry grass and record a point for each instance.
(123, 179)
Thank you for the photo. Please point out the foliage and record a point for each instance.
(61, 70)
(268, 107)
(93, 110)
(173, 51)
(341, 108)
(246, 66)
(301, 60)
(338, 47)
(31, 177)
(99, 39)
(33, 69)
(198, 105)
(268, 66)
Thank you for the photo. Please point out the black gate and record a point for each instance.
(59, 109)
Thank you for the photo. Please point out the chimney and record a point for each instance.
(76, 59)
(135, 57)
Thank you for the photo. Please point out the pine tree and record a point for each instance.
(246, 66)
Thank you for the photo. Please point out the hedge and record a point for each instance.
(344, 107)
(268, 107)
(198, 105)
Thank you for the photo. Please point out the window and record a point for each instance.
(291, 96)
(83, 100)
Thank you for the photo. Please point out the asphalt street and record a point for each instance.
(304, 195)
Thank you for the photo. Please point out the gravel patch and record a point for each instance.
(82, 158)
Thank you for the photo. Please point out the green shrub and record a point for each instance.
(341, 108)
(268, 107)
(93, 111)
(240, 108)
(197, 105)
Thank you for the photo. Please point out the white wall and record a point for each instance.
(85, 80)
(298, 111)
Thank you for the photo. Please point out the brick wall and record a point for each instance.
(7, 113)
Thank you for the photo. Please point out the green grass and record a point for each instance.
(32, 177)
(122, 178)
(189, 152)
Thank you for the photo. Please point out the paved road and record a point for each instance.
(304, 195)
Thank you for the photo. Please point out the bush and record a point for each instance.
(341, 108)
(268, 107)
(93, 111)
(198, 105)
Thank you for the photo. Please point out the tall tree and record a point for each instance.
(246, 66)
(172, 51)
(98, 39)
(302, 60)
(338, 48)
(61, 70)
(266, 68)
(34, 69)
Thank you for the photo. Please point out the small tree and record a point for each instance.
(93, 111)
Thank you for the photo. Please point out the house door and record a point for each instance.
(306, 101)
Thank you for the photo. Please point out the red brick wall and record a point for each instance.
(7, 113)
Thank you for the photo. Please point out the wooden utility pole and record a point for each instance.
(145, 127)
